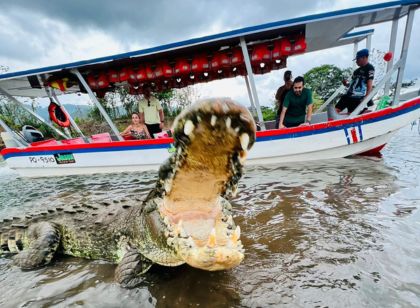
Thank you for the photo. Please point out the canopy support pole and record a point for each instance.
(403, 58)
(369, 42)
(96, 102)
(252, 82)
(51, 94)
(392, 41)
(20, 141)
(14, 100)
(251, 99)
(355, 47)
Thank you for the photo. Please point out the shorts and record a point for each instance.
(153, 129)
(348, 102)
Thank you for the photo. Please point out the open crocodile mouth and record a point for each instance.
(212, 140)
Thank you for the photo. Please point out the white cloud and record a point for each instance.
(44, 33)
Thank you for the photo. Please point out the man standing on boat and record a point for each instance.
(361, 83)
(151, 112)
(295, 105)
(281, 94)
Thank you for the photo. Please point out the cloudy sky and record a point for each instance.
(40, 33)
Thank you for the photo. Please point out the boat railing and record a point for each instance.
(340, 90)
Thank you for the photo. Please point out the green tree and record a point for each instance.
(325, 79)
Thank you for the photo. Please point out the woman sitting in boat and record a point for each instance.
(137, 129)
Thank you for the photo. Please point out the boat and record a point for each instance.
(243, 52)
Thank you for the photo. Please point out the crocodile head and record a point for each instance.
(212, 140)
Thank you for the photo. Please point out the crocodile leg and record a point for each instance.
(44, 239)
(132, 266)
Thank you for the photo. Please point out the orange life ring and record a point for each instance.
(58, 115)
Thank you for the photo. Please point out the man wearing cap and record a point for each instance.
(361, 83)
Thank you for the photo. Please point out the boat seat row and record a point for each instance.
(98, 138)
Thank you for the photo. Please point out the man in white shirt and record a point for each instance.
(151, 112)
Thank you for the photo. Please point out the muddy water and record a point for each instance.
(340, 234)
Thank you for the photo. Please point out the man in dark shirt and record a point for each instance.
(281, 94)
(295, 104)
(361, 83)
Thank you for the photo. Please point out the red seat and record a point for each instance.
(104, 137)
(48, 142)
(78, 140)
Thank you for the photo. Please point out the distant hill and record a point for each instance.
(76, 111)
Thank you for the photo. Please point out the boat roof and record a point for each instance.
(321, 31)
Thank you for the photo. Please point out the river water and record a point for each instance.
(344, 233)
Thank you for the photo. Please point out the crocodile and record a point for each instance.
(185, 218)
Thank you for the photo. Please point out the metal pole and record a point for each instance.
(330, 99)
(96, 102)
(404, 51)
(369, 42)
(392, 42)
(355, 47)
(10, 97)
(250, 96)
(51, 92)
(252, 82)
(16, 137)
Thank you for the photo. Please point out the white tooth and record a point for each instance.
(213, 120)
(181, 230)
(166, 221)
(229, 221)
(212, 239)
(168, 185)
(190, 242)
(188, 127)
(244, 138)
(236, 235)
(228, 122)
(198, 118)
(237, 129)
(179, 151)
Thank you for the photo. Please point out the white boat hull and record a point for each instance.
(335, 139)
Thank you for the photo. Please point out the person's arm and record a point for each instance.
(126, 131)
(162, 118)
(309, 115)
(147, 132)
(309, 103)
(282, 115)
(284, 109)
(161, 115)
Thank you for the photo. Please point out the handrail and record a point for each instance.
(330, 99)
(375, 90)
(16, 137)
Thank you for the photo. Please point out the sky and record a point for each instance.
(43, 33)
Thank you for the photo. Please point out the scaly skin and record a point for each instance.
(186, 218)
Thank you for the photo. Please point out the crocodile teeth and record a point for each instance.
(236, 235)
(213, 120)
(230, 221)
(237, 129)
(188, 127)
(198, 118)
(212, 239)
(190, 242)
(228, 122)
(244, 138)
(180, 230)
